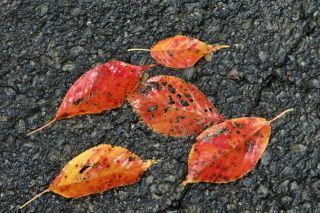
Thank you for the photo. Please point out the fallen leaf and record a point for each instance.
(171, 106)
(104, 87)
(181, 51)
(96, 170)
(229, 150)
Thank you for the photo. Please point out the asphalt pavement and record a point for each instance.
(273, 64)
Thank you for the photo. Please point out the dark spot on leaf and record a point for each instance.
(170, 53)
(222, 130)
(171, 89)
(171, 101)
(84, 168)
(145, 90)
(76, 102)
(184, 103)
(153, 108)
(238, 125)
(179, 95)
(156, 85)
(166, 109)
(131, 158)
(164, 83)
(187, 95)
(191, 100)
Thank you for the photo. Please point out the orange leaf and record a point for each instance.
(181, 51)
(229, 150)
(171, 106)
(104, 87)
(96, 170)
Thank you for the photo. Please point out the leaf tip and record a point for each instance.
(219, 47)
(149, 163)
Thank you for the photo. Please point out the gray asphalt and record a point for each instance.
(274, 63)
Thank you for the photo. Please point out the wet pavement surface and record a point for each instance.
(273, 64)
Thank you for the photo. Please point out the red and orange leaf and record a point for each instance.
(181, 51)
(171, 106)
(104, 87)
(96, 170)
(228, 150)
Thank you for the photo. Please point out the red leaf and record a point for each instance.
(96, 170)
(181, 51)
(171, 106)
(104, 87)
(229, 150)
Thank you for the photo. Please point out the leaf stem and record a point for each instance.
(41, 128)
(217, 47)
(280, 115)
(32, 199)
(138, 49)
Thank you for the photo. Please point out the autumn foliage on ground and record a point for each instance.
(225, 150)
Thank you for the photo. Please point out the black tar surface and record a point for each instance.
(273, 64)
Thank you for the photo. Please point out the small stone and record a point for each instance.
(263, 190)
(313, 84)
(234, 74)
(283, 187)
(21, 126)
(43, 9)
(122, 195)
(171, 178)
(75, 11)
(149, 179)
(266, 157)
(3, 118)
(263, 56)
(286, 200)
(231, 207)
(281, 55)
(67, 148)
(76, 50)
(298, 148)
(164, 188)
(189, 73)
(68, 66)
(294, 186)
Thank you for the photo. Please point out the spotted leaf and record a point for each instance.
(171, 106)
(104, 87)
(229, 150)
(96, 170)
(181, 51)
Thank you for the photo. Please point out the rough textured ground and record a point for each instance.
(46, 45)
